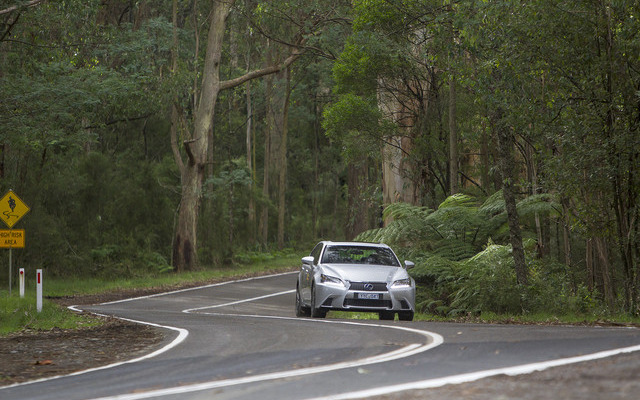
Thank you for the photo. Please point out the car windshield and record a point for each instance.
(359, 255)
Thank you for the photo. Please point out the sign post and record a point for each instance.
(12, 209)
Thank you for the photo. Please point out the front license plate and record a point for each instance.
(368, 296)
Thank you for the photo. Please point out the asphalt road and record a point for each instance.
(241, 340)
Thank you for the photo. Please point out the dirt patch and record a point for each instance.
(34, 355)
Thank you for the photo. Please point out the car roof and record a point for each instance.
(368, 244)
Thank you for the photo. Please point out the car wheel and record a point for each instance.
(405, 316)
(386, 315)
(301, 311)
(316, 312)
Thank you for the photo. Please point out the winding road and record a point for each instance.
(241, 340)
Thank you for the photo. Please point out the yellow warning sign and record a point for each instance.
(12, 208)
(11, 238)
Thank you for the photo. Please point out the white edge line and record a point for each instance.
(182, 333)
(199, 287)
(189, 310)
(403, 352)
(474, 376)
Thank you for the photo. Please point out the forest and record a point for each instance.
(495, 143)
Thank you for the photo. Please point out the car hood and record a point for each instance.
(365, 273)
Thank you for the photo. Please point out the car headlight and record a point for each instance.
(402, 282)
(331, 280)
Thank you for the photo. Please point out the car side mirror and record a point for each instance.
(308, 260)
(409, 264)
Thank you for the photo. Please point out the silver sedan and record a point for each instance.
(352, 276)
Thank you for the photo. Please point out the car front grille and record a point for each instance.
(367, 303)
(377, 286)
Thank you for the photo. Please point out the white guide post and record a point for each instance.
(22, 283)
(39, 290)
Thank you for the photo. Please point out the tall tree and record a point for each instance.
(192, 169)
(196, 142)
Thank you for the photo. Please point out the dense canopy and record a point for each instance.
(496, 143)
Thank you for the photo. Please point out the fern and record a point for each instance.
(493, 205)
(538, 204)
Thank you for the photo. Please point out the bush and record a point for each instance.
(486, 283)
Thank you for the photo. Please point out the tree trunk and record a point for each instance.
(263, 227)
(607, 279)
(358, 210)
(249, 142)
(185, 256)
(453, 138)
(192, 169)
(507, 163)
(282, 176)
(566, 241)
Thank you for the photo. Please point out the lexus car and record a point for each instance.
(353, 276)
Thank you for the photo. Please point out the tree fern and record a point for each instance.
(542, 204)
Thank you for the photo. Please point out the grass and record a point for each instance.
(524, 319)
(56, 287)
(18, 314)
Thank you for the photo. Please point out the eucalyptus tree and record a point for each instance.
(191, 151)
(396, 67)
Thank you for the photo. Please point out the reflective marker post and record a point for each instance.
(22, 283)
(39, 290)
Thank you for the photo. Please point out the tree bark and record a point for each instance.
(282, 176)
(249, 142)
(453, 138)
(607, 279)
(358, 209)
(185, 256)
(263, 227)
(507, 163)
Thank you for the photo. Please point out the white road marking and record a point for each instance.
(199, 287)
(403, 352)
(396, 354)
(182, 335)
(190, 310)
(474, 376)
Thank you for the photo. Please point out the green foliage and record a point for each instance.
(356, 123)
(86, 90)
(453, 231)
(456, 277)
(486, 283)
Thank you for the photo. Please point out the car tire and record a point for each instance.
(301, 310)
(405, 316)
(386, 315)
(316, 312)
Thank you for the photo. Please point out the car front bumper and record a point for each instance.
(331, 296)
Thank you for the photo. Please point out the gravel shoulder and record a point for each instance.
(31, 355)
